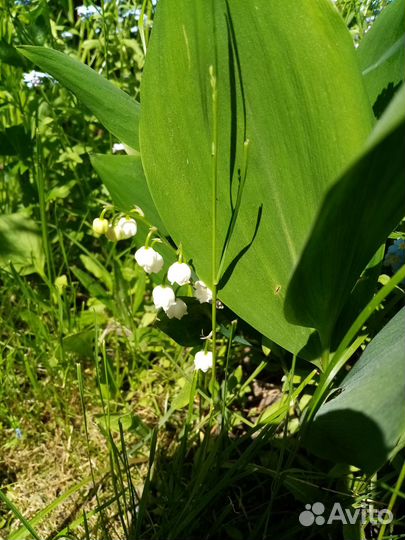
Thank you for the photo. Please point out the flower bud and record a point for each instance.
(100, 226)
(163, 297)
(203, 361)
(61, 283)
(112, 233)
(179, 273)
(177, 310)
(202, 292)
(150, 260)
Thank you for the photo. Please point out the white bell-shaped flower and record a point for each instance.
(179, 273)
(100, 226)
(126, 228)
(202, 292)
(203, 361)
(177, 310)
(118, 147)
(150, 260)
(163, 297)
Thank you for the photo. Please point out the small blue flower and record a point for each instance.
(22, 2)
(87, 12)
(18, 433)
(34, 78)
(395, 256)
(134, 30)
(131, 13)
(66, 35)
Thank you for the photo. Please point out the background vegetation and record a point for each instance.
(100, 434)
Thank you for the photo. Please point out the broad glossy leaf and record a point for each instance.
(190, 330)
(21, 244)
(381, 55)
(298, 96)
(358, 214)
(115, 109)
(364, 423)
(124, 178)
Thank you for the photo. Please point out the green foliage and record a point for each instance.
(14, 141)
(305, 115)
(287, 217)
(381, 55)
(124, 178)
(20, 244)
(114, 108)
(363, 423)
(324, 279)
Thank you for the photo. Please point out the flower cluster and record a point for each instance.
(395, 256)
(179, 273)
(87, 12)
(164, 298)
(163, 295)
(151, 261)
(33, 79)
(135, 13)
(123, 229)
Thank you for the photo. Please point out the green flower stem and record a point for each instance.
(108, 208)
(325, 359)
(150, 234)
(214, 183)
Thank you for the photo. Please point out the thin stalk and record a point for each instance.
(393, 498)
(40, 183)
(214, 184)
(325, 359)
(228, 357)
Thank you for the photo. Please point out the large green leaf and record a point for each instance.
(381, 54)
(115, 109)
(355, 219)
(364, 424)
(21, 244)
(124, 178)
(297, 95)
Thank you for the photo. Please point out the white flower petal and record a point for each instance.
(177, 310)
(126, 228)
(203, 361)
(179, 273)
(149, 259)
(202, 292)
(163, 297)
